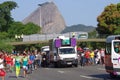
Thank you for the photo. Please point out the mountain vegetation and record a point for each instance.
(9, 28)
(78, 28)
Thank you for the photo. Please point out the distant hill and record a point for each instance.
(79, 27)
(48, 17)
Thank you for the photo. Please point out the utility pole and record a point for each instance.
(40, 17)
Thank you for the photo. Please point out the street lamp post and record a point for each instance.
(40, 17)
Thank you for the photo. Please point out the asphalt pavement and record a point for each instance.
(96, 72)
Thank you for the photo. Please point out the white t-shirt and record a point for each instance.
(102, 53)
(1, 64)
(98, 55)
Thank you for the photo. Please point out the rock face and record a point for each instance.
(48, 17)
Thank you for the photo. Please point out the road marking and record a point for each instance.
(61, 72)
(88, 77)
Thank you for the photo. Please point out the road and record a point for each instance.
(96, 72)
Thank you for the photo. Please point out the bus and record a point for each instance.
(112, 55)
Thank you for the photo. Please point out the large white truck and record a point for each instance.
(63, 51)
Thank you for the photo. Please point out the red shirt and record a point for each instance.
(8, 60)
(87, 54)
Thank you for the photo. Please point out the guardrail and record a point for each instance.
(43, 37)
(46, 41)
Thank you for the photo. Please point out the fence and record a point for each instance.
(39, 37)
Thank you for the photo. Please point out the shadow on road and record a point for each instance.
(12, 76)
(104, 77)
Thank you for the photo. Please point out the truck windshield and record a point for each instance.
(66, 51)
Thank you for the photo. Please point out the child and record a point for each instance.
(25, 63)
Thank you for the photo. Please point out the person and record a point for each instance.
(116, 47)
(95, 55)
(29, 64)
(39, 58)
(102, 52)
(82, 59)
(98, 57)
(32, 59)
(44, 61)
(17, 64)
(24, 64)
(13, 62)
(92, 57)
(9, 61)
(35, 61)
(73, 34)
(87, 56)
(2, 67)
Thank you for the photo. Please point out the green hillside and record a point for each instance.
(79, 27)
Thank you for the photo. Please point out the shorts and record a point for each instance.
(25, 67)
(8, 65)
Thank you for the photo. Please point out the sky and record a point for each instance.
(73, 11)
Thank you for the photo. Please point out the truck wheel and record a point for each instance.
(112, 75)
(59, 65)
(55, 64)
(76, 65)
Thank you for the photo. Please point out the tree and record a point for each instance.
(6, 47)
(31, 28)
(5, 14)
(3, 35)
(109, 20)
(15, 28)
(9, 27)
(92, 34)
(20, 28)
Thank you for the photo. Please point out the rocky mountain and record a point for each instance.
(79, 27)
(48, 17)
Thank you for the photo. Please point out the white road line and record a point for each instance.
(61, 72)
(88, 77)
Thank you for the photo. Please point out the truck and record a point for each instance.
(45, 49)
(63, 51)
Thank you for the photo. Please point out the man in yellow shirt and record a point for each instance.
(92, 57)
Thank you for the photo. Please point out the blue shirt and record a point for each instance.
(32, 57)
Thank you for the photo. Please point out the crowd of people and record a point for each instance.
(91, 57)
(26, 60)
